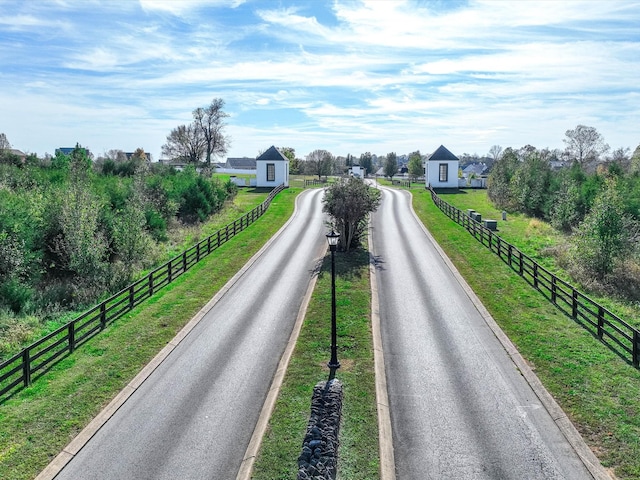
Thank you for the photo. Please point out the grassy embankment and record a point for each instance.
(36, 423)
(599, 391)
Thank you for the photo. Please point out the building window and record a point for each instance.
(444, 172)
(271, 172)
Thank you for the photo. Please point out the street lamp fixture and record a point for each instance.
(332, 239)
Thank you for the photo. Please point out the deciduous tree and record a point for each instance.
(605, 235)
(4, 143)
(210, 121)
(366, 162)
(416, 169)
(185, 143)
(499, 181)
(391, 165)
(349, 201)
(584, 144)
(320, 162)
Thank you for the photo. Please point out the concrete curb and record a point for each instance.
(72, 449)
(590, 461)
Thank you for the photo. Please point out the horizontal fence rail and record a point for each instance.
(33, 361)
(614, 332)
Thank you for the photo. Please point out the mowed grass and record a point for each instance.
(358, 454)
(37, 422)
(598, 390)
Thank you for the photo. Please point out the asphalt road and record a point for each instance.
(459, 407)
(194, 416)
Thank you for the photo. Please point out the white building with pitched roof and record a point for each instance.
(442, 169)
(272, 169)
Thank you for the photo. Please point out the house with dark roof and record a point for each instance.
(272, 169)
(476, 169)
(442, 169)
(241, 163)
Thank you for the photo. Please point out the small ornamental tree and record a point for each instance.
(349, 201)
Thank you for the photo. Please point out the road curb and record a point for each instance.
(588, 458)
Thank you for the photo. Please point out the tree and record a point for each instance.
(366, 162)
(210, 121)
(349, 201)
(499, 181)
(530, 185)
(635, 160)
(81, 245)
(4, 143)
(391, 165)
(320, 162)
(495, 152)
(565, 209)
(416, 169)
(605, 235)
(185, 143)
(584, 144)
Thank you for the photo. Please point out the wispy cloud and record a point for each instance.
(348, 76)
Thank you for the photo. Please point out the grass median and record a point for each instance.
(599, 392)
(358, 453)
(38, 422)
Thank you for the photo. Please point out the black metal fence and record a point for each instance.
(33, 361)
(618, 335)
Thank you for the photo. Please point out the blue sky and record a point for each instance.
(345, 76)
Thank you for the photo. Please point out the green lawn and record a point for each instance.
(599, 391)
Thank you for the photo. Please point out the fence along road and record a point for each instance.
(460, 408)
(194, 415)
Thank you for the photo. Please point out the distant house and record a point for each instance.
(69, 151)
(18, 153)
(442, 169)
(476, 169)
(242, 163)
(272, 169)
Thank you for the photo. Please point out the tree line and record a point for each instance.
(322, 163)
(593, 199)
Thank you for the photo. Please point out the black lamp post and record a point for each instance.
(333, 238)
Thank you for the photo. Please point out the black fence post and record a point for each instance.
(169, 272)
(600, 322)
(635, 359)
(71, 334)
(535, 274)
(103, 315)
(574, 303)
(521, 265)
(26, 367)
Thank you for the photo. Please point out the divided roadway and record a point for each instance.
(460, 409)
